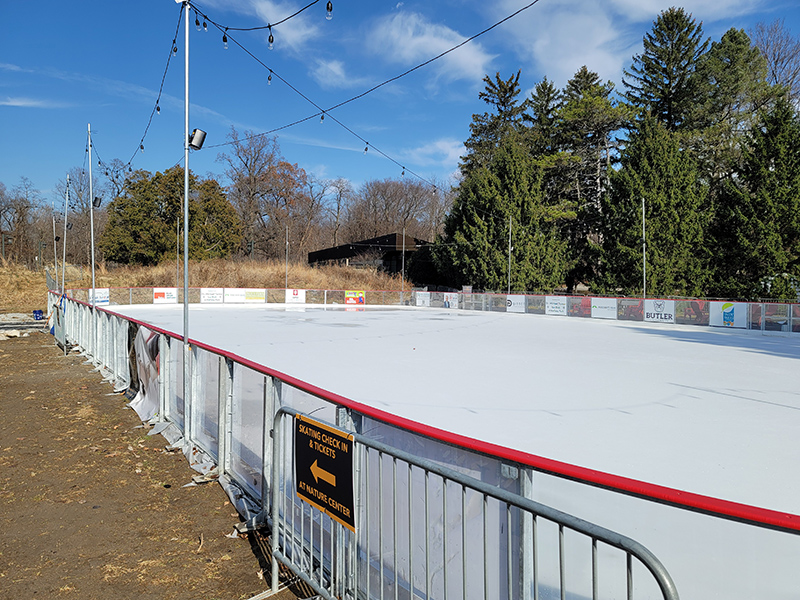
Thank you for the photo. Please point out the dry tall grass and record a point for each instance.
(22, 290)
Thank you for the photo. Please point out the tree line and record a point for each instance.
(694, 164)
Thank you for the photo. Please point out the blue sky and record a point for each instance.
(65, 64)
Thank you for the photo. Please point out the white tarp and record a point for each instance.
(145, 403)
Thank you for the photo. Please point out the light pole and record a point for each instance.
(644, 257)
(509, 254)
(64, 244)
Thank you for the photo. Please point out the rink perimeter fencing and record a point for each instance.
(433, 514)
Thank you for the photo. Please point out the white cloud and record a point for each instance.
(558, 38)
(331, 74)
(444, 152)
(408, 38)
(31, 103)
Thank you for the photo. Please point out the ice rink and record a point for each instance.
(705, 410)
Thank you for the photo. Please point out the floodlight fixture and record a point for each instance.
(96, 202)
(196, 139)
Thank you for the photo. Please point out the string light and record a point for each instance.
(329, 10)
(225, 38)
(366, 148)
(141, 147)
(271, 38)
(197, 22)
(174, 48)
(322, 118)
(205, 25)
(269, 79)
(158, 109)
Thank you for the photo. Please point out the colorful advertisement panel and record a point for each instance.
(659, 311)
(102, 296)
(450, 300)
(728, 314)
(212, 295)
(422, 298)
(555, 305)
(604, 308)
(165, 295)
(295, 296)
(515, 303)
(354, 297)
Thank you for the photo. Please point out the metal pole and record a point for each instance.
(3, 243)
(403, 274)
(91, 213)
(186, 395)
(286, 284)
(644, 257)
(509, 254)
(55, 250)
(177, 250)
(64, 243)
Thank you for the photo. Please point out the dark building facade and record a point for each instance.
(384, 252)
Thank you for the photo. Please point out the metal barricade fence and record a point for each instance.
(423, 530)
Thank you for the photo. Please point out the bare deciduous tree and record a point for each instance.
(782, 52)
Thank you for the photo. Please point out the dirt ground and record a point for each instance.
(93, 507)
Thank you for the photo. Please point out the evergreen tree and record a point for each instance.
(662, 79)
(757, 226)
(488, 130)
(542, 117)
(144, 222)
(507, 192)
(656, 169)
(587, 121)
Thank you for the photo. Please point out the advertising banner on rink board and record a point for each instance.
(450, 300)
(354, 297)
(659, 311)
(728, 314)
(555, 305)
(102, 296)
(515, 303)
(604, 308)
(246, 295)
(295, 296)
(423, 298)
(165, 295)
(212, 295)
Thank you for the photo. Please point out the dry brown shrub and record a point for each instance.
(23, 290)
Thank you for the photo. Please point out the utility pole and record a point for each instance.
(509, 254)
(64, 244)
(91, 214)
(286, 283)
(403, 272)
(644, 256)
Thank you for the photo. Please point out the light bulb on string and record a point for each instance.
(269, 79)
(205, 25)
(158, 109)
(329, 10)
(225, 39)
(174, 49)
(366, 148)
(141, 147)
(403, 174)
(271, 39)
(197, 22)
(322, 118)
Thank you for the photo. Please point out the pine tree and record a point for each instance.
(757, 226)
(656, 169)
(507, 192)
(662, 79)
(488, 130)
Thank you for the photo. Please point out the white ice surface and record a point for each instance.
(710, 411)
